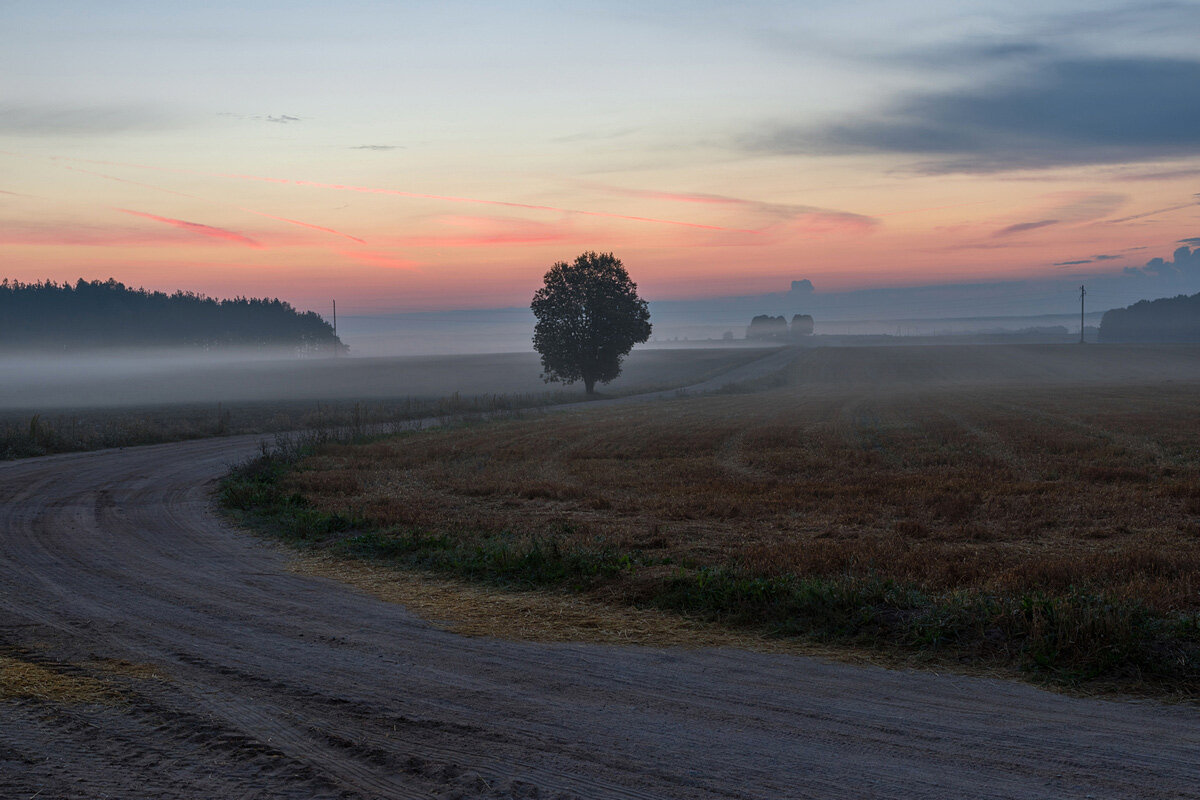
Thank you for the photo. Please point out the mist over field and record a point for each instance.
(924, 310)
(155, 377)
(506, 330)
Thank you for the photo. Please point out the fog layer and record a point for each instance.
(164, 377)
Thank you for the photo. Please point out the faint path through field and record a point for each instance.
(272, 684)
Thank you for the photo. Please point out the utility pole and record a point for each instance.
(1082, 294)
(335, 347)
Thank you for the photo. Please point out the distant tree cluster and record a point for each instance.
(91, 314)
(1170, 319)
(764, 326)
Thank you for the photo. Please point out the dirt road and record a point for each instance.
(237, 678)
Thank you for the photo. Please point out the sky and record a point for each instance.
(421, 157)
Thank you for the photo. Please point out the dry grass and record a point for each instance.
(929, 474)
(20, 678)
(538, 616)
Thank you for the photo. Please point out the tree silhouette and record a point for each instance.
(91, 314)
(589, 316)
(802, 325)
(1168, 319)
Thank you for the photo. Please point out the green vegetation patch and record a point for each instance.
(253, 491)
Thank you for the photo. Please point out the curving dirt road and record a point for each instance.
(241, 679)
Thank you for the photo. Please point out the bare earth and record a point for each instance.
(227, 675)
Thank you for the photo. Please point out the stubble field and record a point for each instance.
(1034, 507)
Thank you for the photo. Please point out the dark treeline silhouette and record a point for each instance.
(99, 314)
(1170, 319)
(764, 326)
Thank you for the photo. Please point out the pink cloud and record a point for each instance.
(953, 206)
(296, 222)
(74, 234)
(470, 231)
(308, 225)
(831, 223)
(196, 227)
(477, 201)
(810, 220)
(418, 195)
(486, 240)
(370, 190)
(679, 197)
(377, 259)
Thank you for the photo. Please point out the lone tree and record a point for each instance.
(589, 316)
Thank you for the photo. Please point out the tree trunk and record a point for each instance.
(589, 384)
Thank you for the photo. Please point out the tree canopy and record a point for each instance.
(92, 314)
(589, 317)
(1168, 319)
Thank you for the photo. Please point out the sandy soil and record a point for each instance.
(228, 675)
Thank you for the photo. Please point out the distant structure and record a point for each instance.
(766, 327)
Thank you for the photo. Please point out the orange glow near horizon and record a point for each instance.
(405, 253)
(435, 157)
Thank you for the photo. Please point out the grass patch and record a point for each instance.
(27, 679)
(256, 493)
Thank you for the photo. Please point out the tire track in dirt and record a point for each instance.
(288, 686)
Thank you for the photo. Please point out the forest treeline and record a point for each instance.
(98, 314)
(1170, 319)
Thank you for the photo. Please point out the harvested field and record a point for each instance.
(1032, 505)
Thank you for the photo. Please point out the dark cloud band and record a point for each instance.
(1083, 111)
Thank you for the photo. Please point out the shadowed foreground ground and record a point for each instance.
(151, 651)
